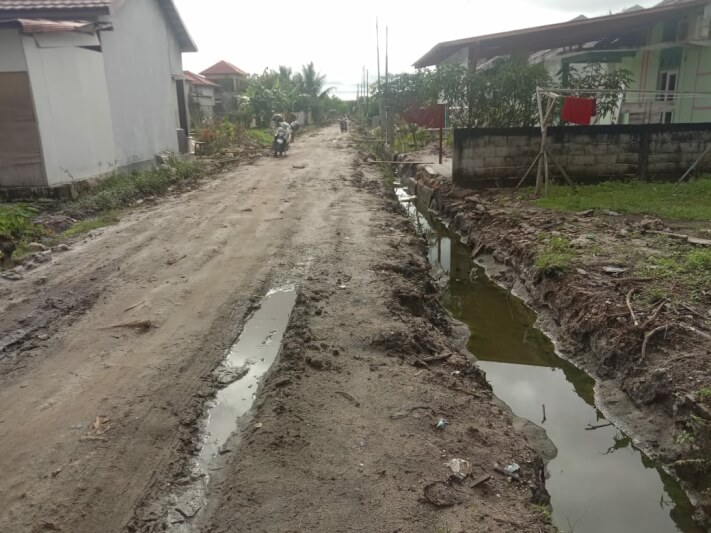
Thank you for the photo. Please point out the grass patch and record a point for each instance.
(85, 226)
(555, 257)
(545, 511)
(16, 223)
(122, 191)
(17, 230)
(262, 136)
(705, 394)
(679, 274)
(688, 201)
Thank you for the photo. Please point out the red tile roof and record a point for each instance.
(18, 5)
(223, 67)
(196, 79)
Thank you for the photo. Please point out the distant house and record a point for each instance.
(201, 97)
(88, 87)
(232, 81)
(667, 48)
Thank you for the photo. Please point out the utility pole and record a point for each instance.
(389, 123)
(381, 108)
(367, 95)
(363, 111)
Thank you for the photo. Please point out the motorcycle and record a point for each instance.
(294, 126)
(281, 140)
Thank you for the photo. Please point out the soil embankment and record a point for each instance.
(605, 287)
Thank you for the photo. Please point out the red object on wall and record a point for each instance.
(578, 110)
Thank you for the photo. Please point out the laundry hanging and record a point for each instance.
(578, 110)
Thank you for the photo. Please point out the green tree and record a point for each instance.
(593, 78)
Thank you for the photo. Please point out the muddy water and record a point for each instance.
(599, 482)
(253, 353)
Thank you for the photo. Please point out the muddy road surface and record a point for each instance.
(110, 351)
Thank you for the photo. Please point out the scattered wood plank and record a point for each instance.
(481, 479)
(628, 300)
(142, 302)
(348, 397)
(172, 261)
(437, 358)
(145, 325)
(590, 427)
(699, 242)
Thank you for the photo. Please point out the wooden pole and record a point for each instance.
(535, 160)
(539, 174)
(381, 107)
(441, 132)
(367, 94)
(693, 166)
(561, 170)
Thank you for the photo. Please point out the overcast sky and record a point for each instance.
(339, 37)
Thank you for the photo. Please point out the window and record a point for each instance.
(668, 82)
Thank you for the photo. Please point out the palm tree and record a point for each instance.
(311, 80)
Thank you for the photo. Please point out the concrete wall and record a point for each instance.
(142, 57)
(72, 107)
(487, 157)
(12, 56)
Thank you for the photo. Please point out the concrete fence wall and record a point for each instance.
(499, 157)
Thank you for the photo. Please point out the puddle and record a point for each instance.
(599, 481)
(253, 353)
(242, 372)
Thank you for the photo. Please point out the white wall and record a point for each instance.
(141, 57)
(73, 113)
(12, 57)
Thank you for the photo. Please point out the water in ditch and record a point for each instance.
(599, 481)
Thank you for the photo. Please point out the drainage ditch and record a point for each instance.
(599, 480)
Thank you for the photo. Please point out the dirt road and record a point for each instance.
(97, 423)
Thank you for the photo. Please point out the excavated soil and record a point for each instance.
(110, 349)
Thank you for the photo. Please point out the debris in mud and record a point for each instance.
(614, 270)
(349, 398)
(100, 425)
(441, 424)
(227, 375)
(460, 468)
(440, 494)
(173, 260)
(144, 325)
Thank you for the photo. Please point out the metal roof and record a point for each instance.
(54, 26)
(558, 35)
(196, 79)
(222, 68)
(60, 8)
(26, 5)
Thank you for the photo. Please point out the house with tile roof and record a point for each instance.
(201, 97)
(231, 79)
(88, 88)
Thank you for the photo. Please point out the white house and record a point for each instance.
(87, 88)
